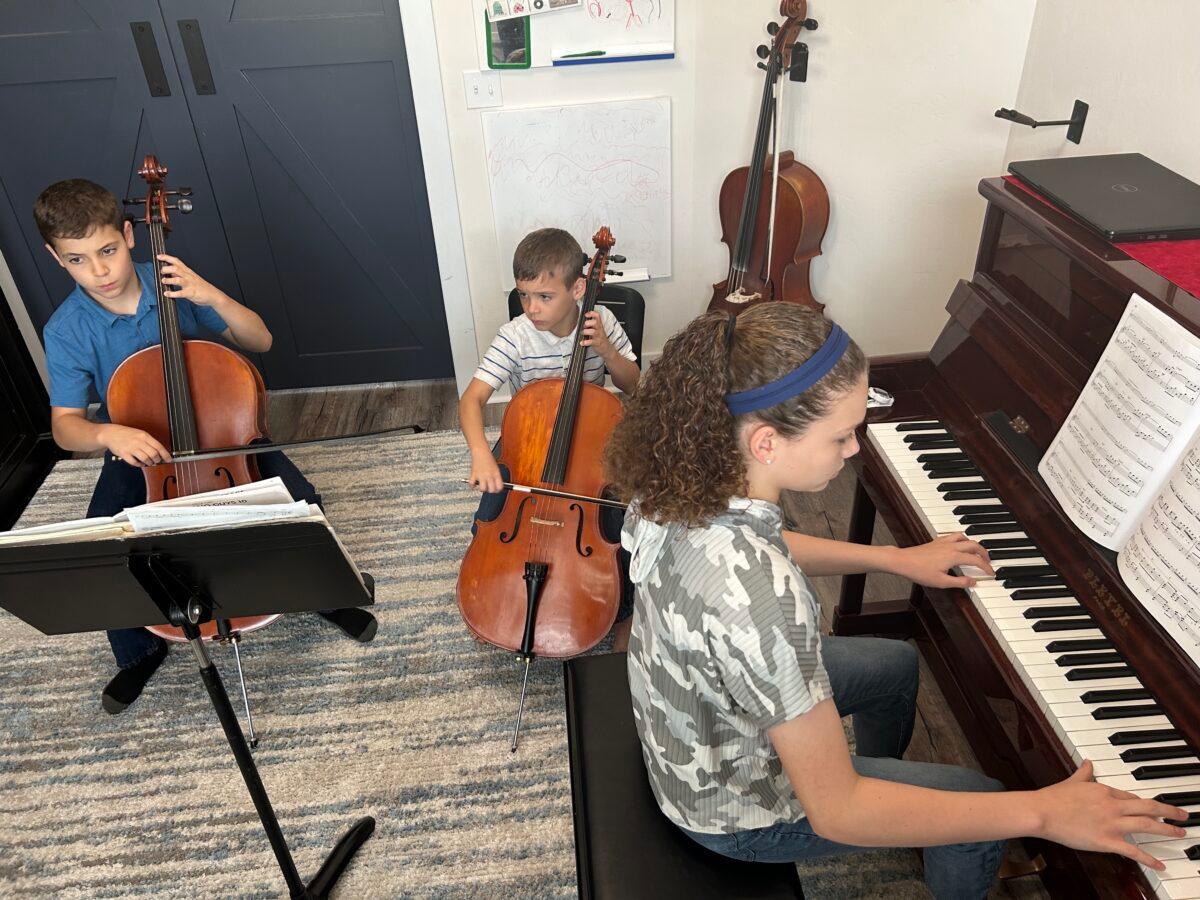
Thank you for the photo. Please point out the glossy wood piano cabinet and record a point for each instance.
(1022, 337)
(27, 452)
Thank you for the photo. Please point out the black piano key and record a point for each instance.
(1018, 553)
(924, 425)
(1017, 571)
(944, 444)
(1170, 770)
(925, 437)
(1190, 822)
(1055, 612)
(1150, 736)
(1180, 798)
(1044, 625)
(1193, 852)
(1149, 754)
(993, 528)
(1050, 593)
(1114, 695)
(977, 485)
(1073, 644)
(1091, 673)
(984, 517)
(912, 434)
(1135, 711)
(969, 495)
(1012, 542)
(951, 469)
(980, 508)
(1103, 658)
(942, 457)
(1041, 581)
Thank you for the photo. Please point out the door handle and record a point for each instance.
(197, 56)
(147, 50)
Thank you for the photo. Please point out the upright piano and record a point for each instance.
(27, 451)
(1056, 661)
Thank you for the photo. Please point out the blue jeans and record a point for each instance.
(121, 485)
(875, 681)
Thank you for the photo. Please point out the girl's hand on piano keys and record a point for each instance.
(1083, 814)
(929, 564)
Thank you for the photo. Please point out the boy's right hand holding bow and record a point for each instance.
(485, 473)
(134, 446)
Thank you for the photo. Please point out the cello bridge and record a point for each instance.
(739, 297)
(536, 521)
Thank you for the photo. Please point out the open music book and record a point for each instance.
(1126, 464)
(246, 504)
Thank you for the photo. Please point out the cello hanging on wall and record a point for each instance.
(773, 220)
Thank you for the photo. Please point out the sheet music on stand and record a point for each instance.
(239, 552)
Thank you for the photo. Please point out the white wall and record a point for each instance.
(896, 118)
(1134, 62)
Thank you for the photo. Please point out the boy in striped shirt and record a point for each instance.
(547, 268)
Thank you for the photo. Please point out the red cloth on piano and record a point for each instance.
(1176, 261)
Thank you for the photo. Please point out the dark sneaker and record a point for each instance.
(126, 686)
(356, 623)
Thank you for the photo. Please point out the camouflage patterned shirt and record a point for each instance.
(725, 645)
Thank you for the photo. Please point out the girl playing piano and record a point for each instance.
(738, 697)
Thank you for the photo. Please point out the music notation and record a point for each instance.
(1161, 561)
(1129, 426)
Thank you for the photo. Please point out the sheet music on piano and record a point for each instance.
(1125, 466)
(1160, 563)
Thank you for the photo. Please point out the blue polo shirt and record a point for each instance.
(85, 342)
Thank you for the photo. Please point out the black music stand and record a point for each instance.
(185, 579)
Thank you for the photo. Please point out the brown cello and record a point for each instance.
(541, 579)
(773, 225)
(190, 395)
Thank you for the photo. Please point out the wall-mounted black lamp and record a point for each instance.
(1074, 124)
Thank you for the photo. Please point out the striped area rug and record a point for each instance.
(412, 728)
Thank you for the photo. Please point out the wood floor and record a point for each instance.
(433, 405)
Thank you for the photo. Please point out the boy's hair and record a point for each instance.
(548, 251)
(676, 447)
(74, 209)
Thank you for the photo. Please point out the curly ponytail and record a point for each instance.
(676, 449)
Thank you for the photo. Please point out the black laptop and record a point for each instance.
(1124, 196)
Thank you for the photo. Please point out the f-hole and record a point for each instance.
(581, 550)
(166, 486)
(221, 470)
(506, 538)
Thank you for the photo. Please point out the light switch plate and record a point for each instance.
(483, 89)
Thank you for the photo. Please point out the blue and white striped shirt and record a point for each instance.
(520, 353)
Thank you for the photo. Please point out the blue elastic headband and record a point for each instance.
(794, 382)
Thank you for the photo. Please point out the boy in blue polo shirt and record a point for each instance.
(110, 315)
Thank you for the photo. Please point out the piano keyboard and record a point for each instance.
(1098, 707)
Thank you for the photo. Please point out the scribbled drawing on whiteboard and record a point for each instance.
(583, 166)
(632, 14)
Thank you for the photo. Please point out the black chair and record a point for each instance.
(624, 846)
(626, 304)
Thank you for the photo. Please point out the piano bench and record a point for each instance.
(624, 846)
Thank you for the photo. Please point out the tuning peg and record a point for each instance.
(763, 51)
(617, 258)
(810, 24)
(182, 204)
(614, 272)
(772, 28)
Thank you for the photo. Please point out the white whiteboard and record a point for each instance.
(602, 25)
(579, 167)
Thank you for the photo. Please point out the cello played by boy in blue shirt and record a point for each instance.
(111, 314)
